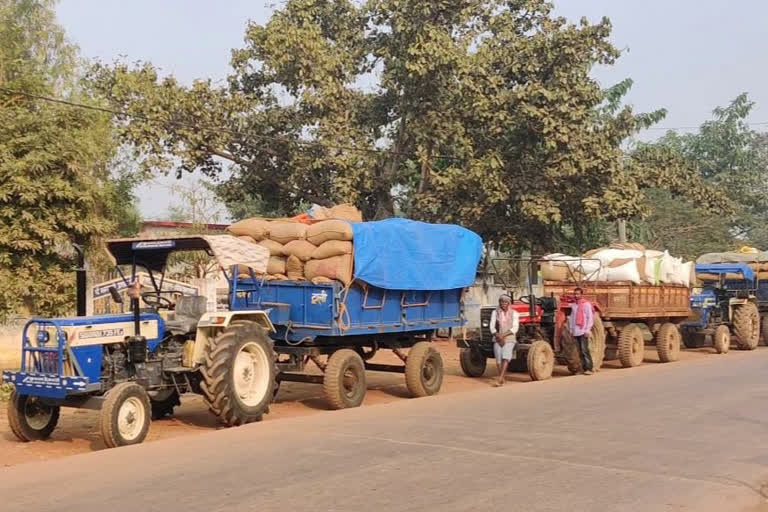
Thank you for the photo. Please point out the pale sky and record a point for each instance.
(684, 55)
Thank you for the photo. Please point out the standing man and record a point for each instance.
(580, 323)
(505, 322)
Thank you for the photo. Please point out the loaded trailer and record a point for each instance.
(626, 316)
(133, 367)
(631, 315)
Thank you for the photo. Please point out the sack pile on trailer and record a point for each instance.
(757, 260)
(316, 246)
(619, 263)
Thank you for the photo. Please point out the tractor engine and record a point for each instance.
(121, 362)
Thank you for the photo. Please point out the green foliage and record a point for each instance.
(727, 155)
(55, 186)
(485, 110)
(5, 391)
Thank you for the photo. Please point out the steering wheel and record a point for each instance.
(525, 299)
(157, 301)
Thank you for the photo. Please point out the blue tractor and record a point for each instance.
(133, 367)
(725, 307)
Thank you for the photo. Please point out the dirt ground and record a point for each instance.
(77, 431)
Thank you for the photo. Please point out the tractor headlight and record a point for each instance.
(43, 337)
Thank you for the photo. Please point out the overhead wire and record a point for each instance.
(203, 127)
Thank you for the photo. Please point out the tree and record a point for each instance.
(55, 186)
(478, 112)
(730, 156)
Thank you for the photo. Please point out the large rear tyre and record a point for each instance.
(746, 326)
(631, 346)
(668, 343)
(344, 383)
(125, 415)
(473, 362)
(239, 374)
(596, 345)
(764, 330)
(541, 360)
(30, 419)
(722, 339)
(423, 370)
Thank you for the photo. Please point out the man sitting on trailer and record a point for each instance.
(580, 324)
(505, 322)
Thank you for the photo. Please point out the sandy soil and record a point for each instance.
(77, 431)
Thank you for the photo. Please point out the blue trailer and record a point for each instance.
(409, 279)
(725, 307)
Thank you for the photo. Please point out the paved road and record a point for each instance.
(661, 437)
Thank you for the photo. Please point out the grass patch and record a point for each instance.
(5, 391)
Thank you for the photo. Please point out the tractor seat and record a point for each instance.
(189, 309)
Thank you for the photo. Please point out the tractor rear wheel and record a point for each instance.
(722, 339)
(423, 370)
(239, 374)
(764, 330)
(631, 346)
(125, 415)
(344, 382)
(668, 343)
(473, 362)
(30, 419)
(746, 326)
(541, 360)
(596, 345)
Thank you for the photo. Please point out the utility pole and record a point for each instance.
(622, 230)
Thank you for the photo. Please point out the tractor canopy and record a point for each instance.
(152, 253)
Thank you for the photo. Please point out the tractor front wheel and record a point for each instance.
(125, 415)
(473, 362)
(30, 419)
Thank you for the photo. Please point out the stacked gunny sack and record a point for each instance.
(756, 259)
(621, 262)
(314, 247)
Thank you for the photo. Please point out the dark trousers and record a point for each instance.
(586, 358)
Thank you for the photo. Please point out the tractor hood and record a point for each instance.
(153, 253)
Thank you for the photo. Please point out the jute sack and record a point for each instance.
(552, 271)
(284, 232)
(299, 248)
(619, 262)
(247, 238)
(346, 212)
(592, 252)
(294, 268)
(321, 280)
(258, 229)
(321, 232)
(276, 277)
(337, 267)
(276, 265)
(275, 248)
(331, 248)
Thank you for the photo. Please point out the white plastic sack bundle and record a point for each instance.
(625, 272)
(608, 255)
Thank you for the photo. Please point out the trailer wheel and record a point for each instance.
(596, 345)
(746, 326)
(668, 343)
(239, 374)
(125, 415)
(163, 402)
(423, 370)
(345, 382)
(30, 419)
(631, 346)
(473, 362)
(722, 339)
(541, 360)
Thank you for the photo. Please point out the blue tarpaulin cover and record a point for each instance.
(401, 254)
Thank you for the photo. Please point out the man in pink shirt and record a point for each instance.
(580, 324)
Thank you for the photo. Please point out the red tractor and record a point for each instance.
(543, 337)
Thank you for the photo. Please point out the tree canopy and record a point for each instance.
(56, 186)
(478, 112)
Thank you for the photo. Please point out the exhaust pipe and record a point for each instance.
(80, 277)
